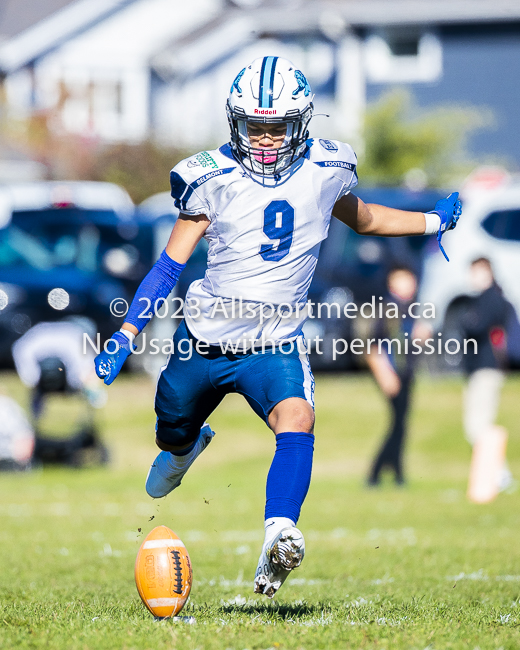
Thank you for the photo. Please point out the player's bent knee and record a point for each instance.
(171, 437)
(292, 415)
(304, 421)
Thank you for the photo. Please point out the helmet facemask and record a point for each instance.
(263, 160)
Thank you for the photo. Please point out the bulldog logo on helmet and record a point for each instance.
(303, 84)
(235, 84)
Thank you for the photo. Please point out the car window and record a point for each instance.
(91, 241)
(503, 224)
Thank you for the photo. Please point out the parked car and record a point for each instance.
(67, 248)
(489, 227)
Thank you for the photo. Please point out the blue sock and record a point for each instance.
(290, 475)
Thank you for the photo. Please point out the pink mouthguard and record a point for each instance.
(266, 159)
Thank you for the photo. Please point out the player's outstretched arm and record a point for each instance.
(158, 283)
(374, 219)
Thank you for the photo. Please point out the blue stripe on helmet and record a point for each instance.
(262, 77)
(267, 81)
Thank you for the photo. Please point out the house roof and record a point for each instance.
(18, 15)
(211, 42)
(32, 28)
(235, 26)
(38, 38)
(368, 12)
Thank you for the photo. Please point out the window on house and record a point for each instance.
(90, 105)
(105, 97)
(404, 45)
(405, 55)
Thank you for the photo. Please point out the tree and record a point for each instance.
(142, 168)
(403, 144)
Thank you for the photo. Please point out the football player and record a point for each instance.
(263, 202)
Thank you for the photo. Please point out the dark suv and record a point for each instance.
(67, 249)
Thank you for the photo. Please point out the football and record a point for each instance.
(163, 574)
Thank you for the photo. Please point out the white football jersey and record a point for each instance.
(264, 239)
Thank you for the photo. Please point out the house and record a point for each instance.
(88, 63)
(124, 70)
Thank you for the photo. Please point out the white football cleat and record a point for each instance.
(278, 559)
(168, 470)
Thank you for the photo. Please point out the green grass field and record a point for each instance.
(414, 568)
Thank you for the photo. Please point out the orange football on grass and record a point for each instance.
(163, 572)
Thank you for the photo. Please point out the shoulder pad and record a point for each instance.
(194, 172)
(332, 154)
(202, 163)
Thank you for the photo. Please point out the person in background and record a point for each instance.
(486, 321)
(17, 438)
(394, 373)
(51, 359)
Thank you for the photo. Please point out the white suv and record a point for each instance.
(489, 227)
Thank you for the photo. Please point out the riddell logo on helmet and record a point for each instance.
(265, 111)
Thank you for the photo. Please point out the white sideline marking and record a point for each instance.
(163, 543)
(162, 602)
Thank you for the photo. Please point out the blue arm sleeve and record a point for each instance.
(157, 284)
